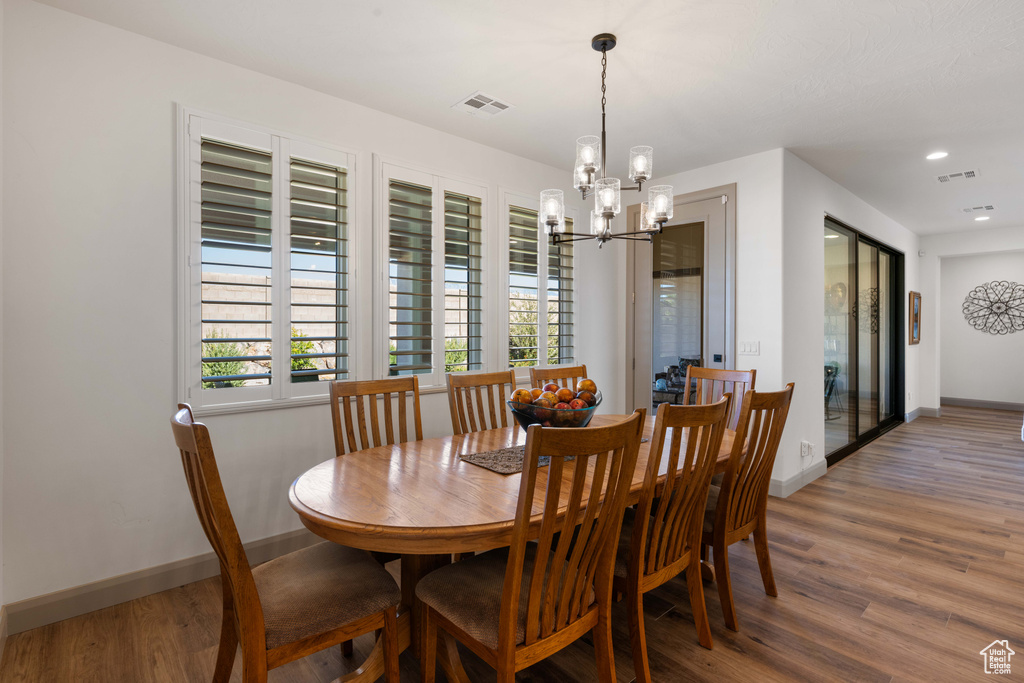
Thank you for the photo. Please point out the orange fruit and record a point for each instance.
(550, 396)
(587, 396)
(586, 385)
(522, 396)
(551, 386)
(565, 395)
(536, 393)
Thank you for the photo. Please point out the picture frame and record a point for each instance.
(914, 337)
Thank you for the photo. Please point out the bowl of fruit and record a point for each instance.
(555, 406)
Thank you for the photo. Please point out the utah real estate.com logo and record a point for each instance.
(997, 657)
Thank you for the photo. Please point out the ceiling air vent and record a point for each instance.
(484, 106)
(979, 209)
(960, 175)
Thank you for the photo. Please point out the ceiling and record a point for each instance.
(861, 90)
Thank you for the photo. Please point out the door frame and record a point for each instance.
(728, 192)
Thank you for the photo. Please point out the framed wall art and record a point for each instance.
(915, 318)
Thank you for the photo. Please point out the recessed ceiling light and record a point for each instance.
(937, 155)
(982, 218)
(831, 237)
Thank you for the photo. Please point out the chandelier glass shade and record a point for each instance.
(590, 178)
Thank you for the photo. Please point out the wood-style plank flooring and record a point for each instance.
(901, 564)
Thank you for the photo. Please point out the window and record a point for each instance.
(560, 300)
(410, 276)
(523, 288)
(434, 237)
(463, 296)
(319, 271)
(265, 297)
(528, 247)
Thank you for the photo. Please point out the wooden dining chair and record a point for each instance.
(708, 385)
(562, 375)
(473, 397)
(740, 507)
(293, 605)
(365, 395)
(516, 606)
(661, 535)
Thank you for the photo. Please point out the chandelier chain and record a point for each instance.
(604, 72)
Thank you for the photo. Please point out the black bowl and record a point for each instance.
(527, 414)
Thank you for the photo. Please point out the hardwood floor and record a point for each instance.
(901, 564)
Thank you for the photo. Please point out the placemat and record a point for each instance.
(504, 460)
(507, 460)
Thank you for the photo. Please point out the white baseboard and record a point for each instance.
(922, 412)
(975, 403)
(71, 602)
(783, 488)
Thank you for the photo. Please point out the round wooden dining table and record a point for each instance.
(422, 500)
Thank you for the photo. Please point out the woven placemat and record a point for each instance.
(504, 460)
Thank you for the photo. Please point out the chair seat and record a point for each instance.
(468, 594)
(709, 510)
(320, 588)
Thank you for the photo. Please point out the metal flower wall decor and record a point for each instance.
(996, 307)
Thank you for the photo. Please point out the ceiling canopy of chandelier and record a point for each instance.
(590, 179)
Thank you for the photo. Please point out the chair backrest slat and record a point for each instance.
(466, 400)
(371, 435)
(710, 384)
(211, 505)
(668, 527)
(562, 375)
(581, 504)
(745, 485)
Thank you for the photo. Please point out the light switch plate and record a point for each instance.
(750, 348)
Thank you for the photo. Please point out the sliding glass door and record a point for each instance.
(863, 374)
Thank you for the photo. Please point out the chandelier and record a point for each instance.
(589, 178)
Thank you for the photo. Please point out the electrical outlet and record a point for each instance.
(806, 449)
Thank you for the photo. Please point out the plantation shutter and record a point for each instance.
(560, 298)
(235, 241)
(463, 303)
(319, 271)
(410, 263)
(523, 288)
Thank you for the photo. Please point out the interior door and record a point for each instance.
(682, 304)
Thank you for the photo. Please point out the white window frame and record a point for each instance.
(511, 198)
(193, 125)
(384, 169)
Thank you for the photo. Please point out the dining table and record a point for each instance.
(420, 499)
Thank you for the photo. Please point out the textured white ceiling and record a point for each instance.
(860, 89)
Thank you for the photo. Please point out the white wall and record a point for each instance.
(808, 196)
(2, 451)
(938, 248)
(975, 364)
(90, 187)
